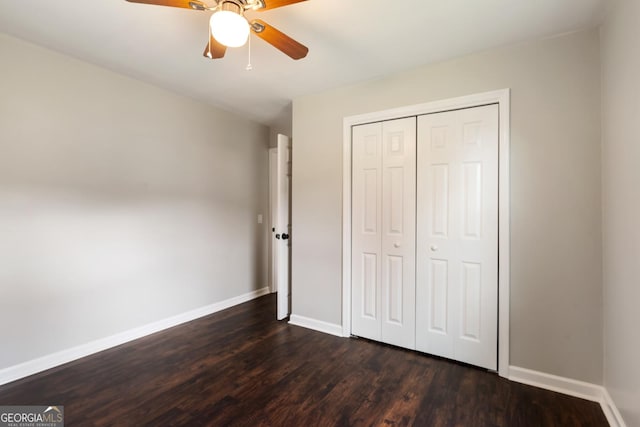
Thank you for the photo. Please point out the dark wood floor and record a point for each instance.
(241, 367)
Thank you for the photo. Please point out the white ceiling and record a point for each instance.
(349, 41)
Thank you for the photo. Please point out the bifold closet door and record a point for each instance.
(366, 226)
(383, 231)
(457, 235)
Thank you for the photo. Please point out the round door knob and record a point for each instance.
(285, 236)
(396, 245)
(277, 236)
(434, 248)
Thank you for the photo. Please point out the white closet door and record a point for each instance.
(383, 232)
(457, 231)
(399, 232)
(366, 231)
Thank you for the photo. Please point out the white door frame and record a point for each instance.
(500, 97)
(273, 159)
(283, 227)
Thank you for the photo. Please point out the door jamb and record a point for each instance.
(273, 153)
(503, 99)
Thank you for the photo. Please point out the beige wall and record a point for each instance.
(282, 126)
(621, 205)
(556, 291)
(120, 203)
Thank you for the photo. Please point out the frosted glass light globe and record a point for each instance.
(229, 28)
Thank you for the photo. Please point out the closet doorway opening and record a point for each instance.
(386, 301)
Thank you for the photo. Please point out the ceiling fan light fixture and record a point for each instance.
(229, 27)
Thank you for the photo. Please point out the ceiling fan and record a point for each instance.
(230, 28)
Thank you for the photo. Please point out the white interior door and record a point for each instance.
(457, 235)
(283, 226)
(383, 232)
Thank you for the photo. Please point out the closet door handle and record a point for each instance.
(434, 248)
(396, 245)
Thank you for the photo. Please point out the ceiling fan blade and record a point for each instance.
(187, 4)
(279, 40)
(272, 4)
(214, 49)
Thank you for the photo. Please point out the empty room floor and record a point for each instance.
(242, 367)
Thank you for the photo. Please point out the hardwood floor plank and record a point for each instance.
(241, 367)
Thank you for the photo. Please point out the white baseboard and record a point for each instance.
(571, 387)
(611, 410)
(34, 366)
(316, 325)
(555, 383)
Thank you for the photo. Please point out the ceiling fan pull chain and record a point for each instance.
(249, 66)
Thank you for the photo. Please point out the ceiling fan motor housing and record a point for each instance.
(234, 6)
(237, 5)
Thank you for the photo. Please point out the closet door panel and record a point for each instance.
(366, 231)
(398, 232)
(478, 260)
(436, 180)
(457, 235)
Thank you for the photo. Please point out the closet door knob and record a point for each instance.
(396, 245)
(434, 248)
